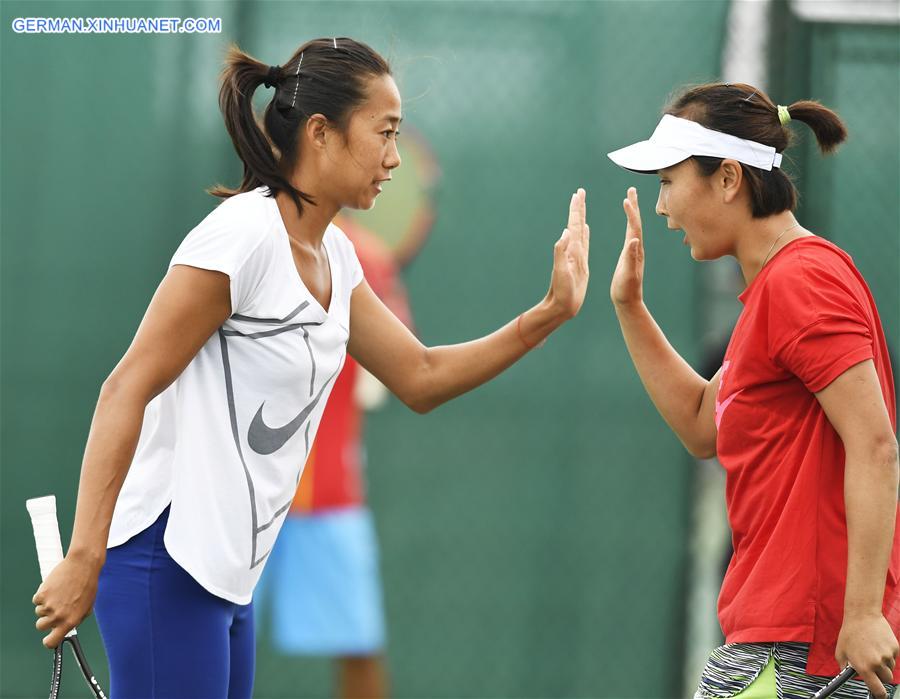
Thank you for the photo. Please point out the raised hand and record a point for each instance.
(568, 284)
(627, 285)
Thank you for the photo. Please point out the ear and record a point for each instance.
(316, 128)
(730, 177)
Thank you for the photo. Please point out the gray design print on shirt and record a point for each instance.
(275, 321)
(265, 435)
(267, 440)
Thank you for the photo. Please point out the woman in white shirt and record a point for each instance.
(201, 430)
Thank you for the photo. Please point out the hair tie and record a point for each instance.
(273, 76)
(784, 116)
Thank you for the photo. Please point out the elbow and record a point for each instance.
(111, 386)
(122, 386)
(420, 404)
(701, 448)
(880, 448)
(887, 451)
(702, 452)
(421, 390)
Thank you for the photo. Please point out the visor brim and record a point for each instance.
(647, 157)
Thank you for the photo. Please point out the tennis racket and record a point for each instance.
(49, 550)
(846, 674)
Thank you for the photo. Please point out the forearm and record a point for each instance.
(110, 448)
(451, 370)
(870, 499)
(675, 388)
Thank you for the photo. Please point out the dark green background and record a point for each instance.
(533, 532)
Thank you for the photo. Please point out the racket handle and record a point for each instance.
(846, 674)
(46, 532)
(46, 535)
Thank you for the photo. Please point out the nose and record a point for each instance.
(392, 157)
(661, 204)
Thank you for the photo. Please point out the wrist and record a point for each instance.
(861, 612)
(91, 556)
(629, 308)
(552, 311)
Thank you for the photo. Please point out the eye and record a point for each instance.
(662, 182)
(389, 132)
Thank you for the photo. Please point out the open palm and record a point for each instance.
(568, 283)
(628, 280)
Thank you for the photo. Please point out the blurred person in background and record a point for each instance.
(801, 414)
(321, 591)
(202, 429)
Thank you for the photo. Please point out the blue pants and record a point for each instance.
(166, 637)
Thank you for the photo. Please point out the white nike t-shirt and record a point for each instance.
(226, 443)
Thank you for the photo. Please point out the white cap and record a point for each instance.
(676, 139)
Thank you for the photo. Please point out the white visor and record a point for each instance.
(678, 139)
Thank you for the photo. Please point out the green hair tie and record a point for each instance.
(784, 116)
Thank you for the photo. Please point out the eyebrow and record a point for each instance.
(395, 120)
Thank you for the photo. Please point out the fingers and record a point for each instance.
(632, 214)
(876, 688)
(577, 213)
(885, 671)
(57, 627)
(55, 637)
(635, 249)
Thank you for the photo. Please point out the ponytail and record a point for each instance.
(825, 124)
(240, 78)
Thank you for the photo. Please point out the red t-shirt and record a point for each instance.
(808, 317)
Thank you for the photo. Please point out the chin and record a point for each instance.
(365, 203)
(701, 255)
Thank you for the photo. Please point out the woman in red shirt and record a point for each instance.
(801, 414)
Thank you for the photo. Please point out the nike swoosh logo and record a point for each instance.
(720, 407)
(267, 440)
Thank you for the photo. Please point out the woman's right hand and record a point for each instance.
(65, 598)
(627, 287)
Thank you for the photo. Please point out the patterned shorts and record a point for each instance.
(732, 668)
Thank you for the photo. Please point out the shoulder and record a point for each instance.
(230, 233)
(241, 221)
(814, 279)
(249, 212)
(341, 241)
(811, 267)
(347, 261)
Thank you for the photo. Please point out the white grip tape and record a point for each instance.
(46, 532)
(46, 535)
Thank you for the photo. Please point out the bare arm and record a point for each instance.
(855, 407)
(187, 308)
(685, 399)
(424, 377)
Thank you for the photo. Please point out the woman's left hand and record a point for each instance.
(868, 644)
(568, 284)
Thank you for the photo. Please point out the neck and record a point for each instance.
(760, 241)
(308, 229)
